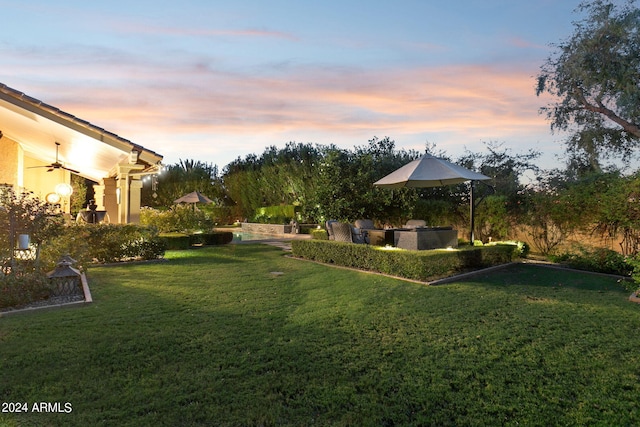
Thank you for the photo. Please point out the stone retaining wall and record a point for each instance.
(250, 227)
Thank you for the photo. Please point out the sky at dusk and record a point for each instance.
(213, 80)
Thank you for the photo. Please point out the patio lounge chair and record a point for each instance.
(342, 232)
(361, 230)
(328, 225)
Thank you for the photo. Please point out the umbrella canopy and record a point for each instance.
(194, 197)
(428, 171)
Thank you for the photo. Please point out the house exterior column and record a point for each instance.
(135, 190)
(127, 190)
(98, 195)
(109, 199)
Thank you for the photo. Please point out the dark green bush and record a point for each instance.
(418, 265)
(215, 238)
(180, 218)
(17, 290)
(308, 228)
(280, 214)
(103, 243)
(176, 241)
(319, 234)
(118, 242)
(185, 241)
(598, 260)
(521, 249)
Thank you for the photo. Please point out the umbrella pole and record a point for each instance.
(471, 213)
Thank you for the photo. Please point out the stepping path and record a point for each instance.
(285, 246)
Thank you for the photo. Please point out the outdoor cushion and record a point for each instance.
(365, 224)
(415, 223)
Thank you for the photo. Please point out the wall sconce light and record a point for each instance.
(133, 157)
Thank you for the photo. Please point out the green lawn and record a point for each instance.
(212, 337)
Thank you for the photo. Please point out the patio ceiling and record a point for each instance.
(87, 148)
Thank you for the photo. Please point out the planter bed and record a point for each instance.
(426, 265)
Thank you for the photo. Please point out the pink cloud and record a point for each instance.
(189, 109)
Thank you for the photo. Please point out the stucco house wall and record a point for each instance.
(27, 147)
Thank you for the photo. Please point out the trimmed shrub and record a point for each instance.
(215, 238)
(118, 242)
(521, 249)
(319, 234)
(418, 265)
(185, 241)
(176, 241)
(598, 260)
(104, 243)
(280, 214)
(17, 290)
(180, 218)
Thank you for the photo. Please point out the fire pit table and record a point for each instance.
(426, 238)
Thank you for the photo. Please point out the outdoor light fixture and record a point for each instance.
(65, 280)
(52, 198)
(23, 241)
(64, 190)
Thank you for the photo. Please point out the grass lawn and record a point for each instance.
(212, 337)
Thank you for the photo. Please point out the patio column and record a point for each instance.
(135, 189)
(127, 194)
(109, 199)
(98, 195)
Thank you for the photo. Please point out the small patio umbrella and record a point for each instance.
(193, 197)
(430, 171)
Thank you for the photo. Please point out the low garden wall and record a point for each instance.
(251, 227)
(417, 265)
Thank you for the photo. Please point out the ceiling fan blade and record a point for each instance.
(55, 165)
(70, 170)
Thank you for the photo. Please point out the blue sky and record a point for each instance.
(214, 80)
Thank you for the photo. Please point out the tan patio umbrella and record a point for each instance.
(193, 198)
(430, 171)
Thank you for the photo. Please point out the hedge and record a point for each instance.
(319, 234)
(103, 243)
(417, 265)
(17, 290)
(215, 238)
(185, 241)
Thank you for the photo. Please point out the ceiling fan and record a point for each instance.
(56, 164)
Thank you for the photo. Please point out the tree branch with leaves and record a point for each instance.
(595, 75)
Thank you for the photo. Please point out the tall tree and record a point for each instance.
(596, 76)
